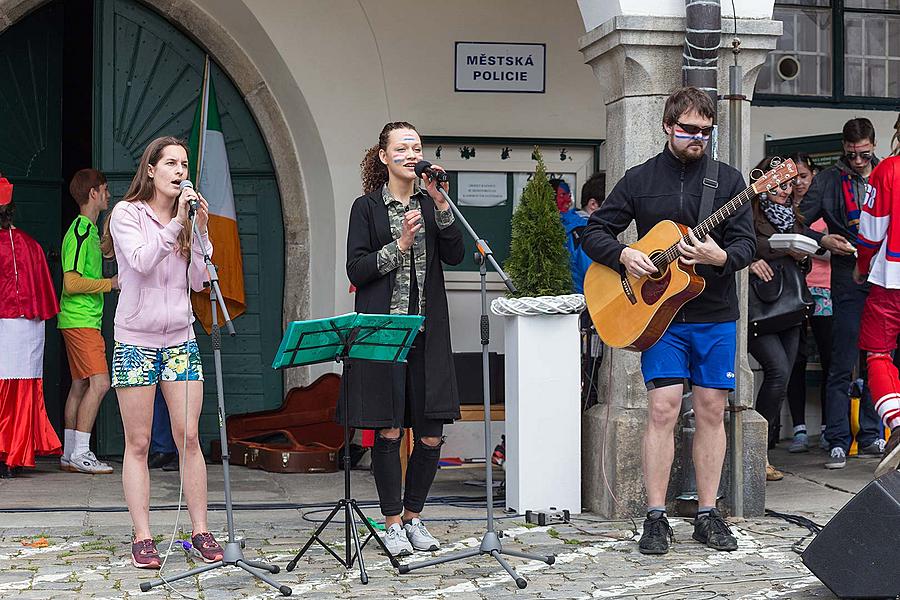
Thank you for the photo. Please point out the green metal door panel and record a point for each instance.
(30, 104)
(30, 124)
(148, 84)
(247, 358)
(150, 77)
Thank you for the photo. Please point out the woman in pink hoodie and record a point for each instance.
(149, 232)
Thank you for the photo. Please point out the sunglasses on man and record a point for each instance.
(694, 129)
(866, 156)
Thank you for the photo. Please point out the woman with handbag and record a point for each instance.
(819, 282)
(775, 320)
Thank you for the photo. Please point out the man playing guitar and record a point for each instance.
(700, 343)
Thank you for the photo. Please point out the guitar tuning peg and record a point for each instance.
(776, 160)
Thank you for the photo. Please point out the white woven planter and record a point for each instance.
(543, 408)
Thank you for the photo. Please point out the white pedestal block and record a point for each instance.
(543, 413)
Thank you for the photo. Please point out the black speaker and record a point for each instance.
(857, 555)
(468, 377)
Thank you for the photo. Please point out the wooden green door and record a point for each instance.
(148, 77)
(30, 122)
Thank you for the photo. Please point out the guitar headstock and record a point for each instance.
(781, 172)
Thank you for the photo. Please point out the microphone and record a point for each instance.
(186, 183)
(423, 166)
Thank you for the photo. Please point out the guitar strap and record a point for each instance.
(710, 184)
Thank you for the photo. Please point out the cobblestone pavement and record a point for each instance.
(88, 552)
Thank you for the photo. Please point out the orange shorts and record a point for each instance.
(86, 349)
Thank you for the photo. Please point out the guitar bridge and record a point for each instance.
(629, 291)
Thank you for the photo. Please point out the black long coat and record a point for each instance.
(369, 230)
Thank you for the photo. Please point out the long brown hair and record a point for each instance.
(374, 173)
(141, 189)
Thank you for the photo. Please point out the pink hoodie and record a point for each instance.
(154, 309)
(820, 275)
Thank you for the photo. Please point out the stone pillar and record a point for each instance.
(637, 59)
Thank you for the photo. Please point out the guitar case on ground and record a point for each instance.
(299, 437)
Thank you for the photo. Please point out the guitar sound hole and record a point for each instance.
(662, 272)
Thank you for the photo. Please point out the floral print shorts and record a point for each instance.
(822, 298)
(134, 366)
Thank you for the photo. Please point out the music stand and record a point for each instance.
(385, 338)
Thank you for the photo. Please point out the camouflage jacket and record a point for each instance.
(390, 258)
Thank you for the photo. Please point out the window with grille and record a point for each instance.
(839, 52)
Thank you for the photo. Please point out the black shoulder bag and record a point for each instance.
(780, 303)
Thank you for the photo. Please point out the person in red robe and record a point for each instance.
(27, 299)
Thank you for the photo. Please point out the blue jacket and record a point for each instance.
(574, 223)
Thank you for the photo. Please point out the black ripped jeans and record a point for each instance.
(423, 462)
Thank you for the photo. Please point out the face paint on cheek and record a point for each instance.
(684, 136)
(398, 158)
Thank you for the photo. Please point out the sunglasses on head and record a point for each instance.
(694, 129)
(867, 155)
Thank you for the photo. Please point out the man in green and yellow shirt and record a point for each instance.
(80, 316)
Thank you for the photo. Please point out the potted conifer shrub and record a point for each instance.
(543, 412)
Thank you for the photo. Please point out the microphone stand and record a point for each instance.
(232, 553)
(490, 542)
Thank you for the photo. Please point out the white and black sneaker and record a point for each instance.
(86, 462)
(396, 541)
(419, 536)
(837, 459)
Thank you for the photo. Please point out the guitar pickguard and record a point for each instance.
(653, 289)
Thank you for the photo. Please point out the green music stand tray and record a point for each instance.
(358, 336)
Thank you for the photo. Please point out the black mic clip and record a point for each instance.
(424, 167)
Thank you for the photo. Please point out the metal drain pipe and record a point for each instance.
(702, 36)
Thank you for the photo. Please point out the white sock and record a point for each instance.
(82, 442)
(69, 443)
(888, 407)
(799, 428)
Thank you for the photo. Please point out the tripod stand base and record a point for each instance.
(349, 507)
(490, 544)
(232, 556)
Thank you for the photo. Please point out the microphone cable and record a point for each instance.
(182, 458)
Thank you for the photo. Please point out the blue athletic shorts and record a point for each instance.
(701, 352)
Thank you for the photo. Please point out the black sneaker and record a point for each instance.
(157, 459)
(657, 534)
(712, 530)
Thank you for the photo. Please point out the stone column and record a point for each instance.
(637, 59)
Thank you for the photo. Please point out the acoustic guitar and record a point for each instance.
(634, 312)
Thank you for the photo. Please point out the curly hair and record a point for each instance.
(374, 173)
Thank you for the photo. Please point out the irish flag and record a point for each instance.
(212, 178)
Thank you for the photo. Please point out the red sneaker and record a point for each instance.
(144, 554)
(207, 547)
